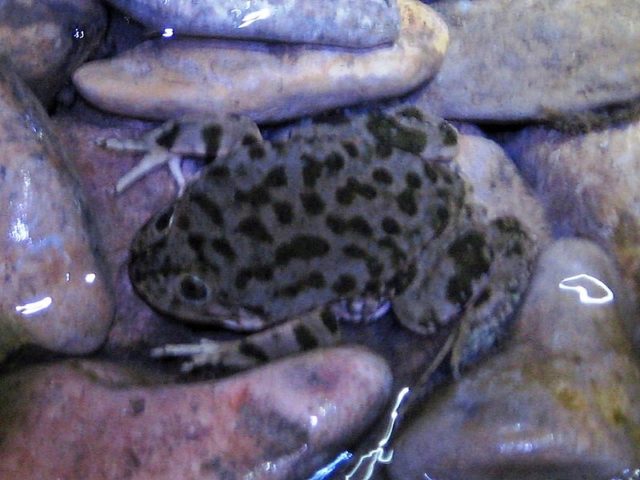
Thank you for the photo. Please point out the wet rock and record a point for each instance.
(84, 420)
(588, 184)
(527, 60)
(562, 401)
(497, 185)
(346, 23)
(53, 291)
(269, 82)
(46, 40)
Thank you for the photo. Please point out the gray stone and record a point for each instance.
(46, 40)
(268, 82)
(534, 58)
(562, 401)
(53, 291)
(347, 23)
(87, 420)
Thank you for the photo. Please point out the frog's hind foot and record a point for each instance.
(152, 160)
(315, 329)
(207, 352)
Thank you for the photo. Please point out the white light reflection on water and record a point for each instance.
(581, 283)
(366, 465)
(34, 307)
(167, 32)
(253, 17)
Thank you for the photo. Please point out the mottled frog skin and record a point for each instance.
(286, 233)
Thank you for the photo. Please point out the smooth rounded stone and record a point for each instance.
(53, 292)
(346, 23)
(268, 82)
(496, 184)
(589, 186)
(562, 401)
(83, 420)
(530, 59)
(46, 40)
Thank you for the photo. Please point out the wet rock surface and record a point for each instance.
(54, 293)
(561, 401)
(46, 40)
(545, 58)
(276, 422)
(589, 185)
(268, 82)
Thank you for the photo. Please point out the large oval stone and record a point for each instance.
(81, 420)
(268, 82)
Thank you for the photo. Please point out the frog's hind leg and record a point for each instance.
(473, 290)
(155, 158)
(318, 328)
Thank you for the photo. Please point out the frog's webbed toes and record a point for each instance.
(153, 159)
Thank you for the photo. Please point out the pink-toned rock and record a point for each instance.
(46, 40)
(80, 420)
(268, 82)
(53, 292)
(562, 401)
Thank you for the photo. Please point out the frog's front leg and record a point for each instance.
(200, 137)
(317, 328)
(475, 287)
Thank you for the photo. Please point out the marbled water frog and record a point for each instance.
(283, 237)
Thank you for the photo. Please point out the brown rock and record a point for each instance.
(46, 40)
(526, 60)
(268, 82)
(53, 290)
(83, 420)
(562, 402)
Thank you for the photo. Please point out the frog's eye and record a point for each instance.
(192, 288)
(164, 220)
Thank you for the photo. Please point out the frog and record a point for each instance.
(284, 239)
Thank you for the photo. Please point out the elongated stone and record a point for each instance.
(82, 420)
(534, 59)
(52, 290)
(347, 23)
(268, 82)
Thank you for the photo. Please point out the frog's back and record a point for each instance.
(278, 229)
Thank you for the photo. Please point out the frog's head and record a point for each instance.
(168, 279)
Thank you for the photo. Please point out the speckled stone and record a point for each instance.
(562, 401)
(528, 59)
(53, 291)
(346, 23)
(268, 82)
(46, 40)
(94, 421)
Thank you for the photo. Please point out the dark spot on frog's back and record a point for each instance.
(211, 135)
(413, 180)
(412, 112)
(305, 338)
(383, 176)
(350, 148)
(283, 212)
(312, 203)
(303, 247)
(311, 171)
(208, 206)
(334, 162)
(389, 133)
(407, 202)
(224, 248)
(253, 228)
(276, 177)
(344, 284)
